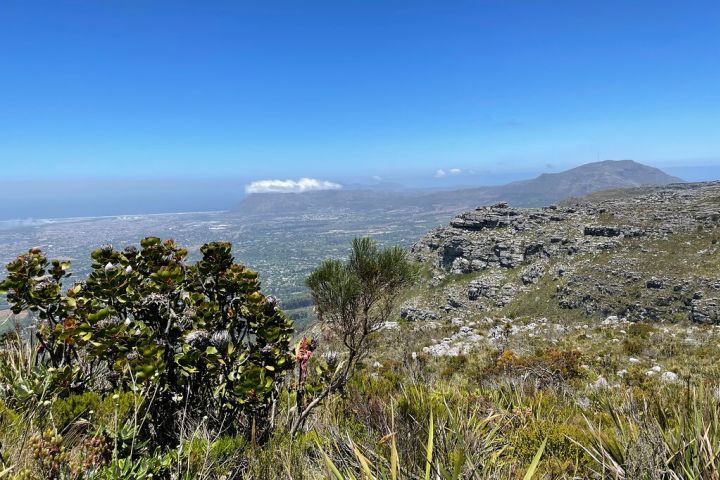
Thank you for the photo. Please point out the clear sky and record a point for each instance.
(126, 91)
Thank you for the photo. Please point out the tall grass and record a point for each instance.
(385, 428)
(665, 437)
(460, 442)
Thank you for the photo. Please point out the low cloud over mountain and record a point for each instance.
(443, 173)
(291, 186)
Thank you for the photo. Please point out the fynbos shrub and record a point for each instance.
(199, 339)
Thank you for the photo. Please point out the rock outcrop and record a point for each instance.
(508, 251)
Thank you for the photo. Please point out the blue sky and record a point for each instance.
(350, 90)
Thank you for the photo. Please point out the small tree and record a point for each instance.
(200, 339)
(353, 301)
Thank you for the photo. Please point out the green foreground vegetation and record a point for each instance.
(157, 368)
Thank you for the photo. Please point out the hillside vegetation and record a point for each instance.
(572, 341)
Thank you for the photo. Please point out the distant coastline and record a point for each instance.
(37, 222)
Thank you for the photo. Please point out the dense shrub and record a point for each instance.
(546, 366)
(199, 340)
(641, 330)
(92, 407)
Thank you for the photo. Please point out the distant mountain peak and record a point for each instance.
(545, 189)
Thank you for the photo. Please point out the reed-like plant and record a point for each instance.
(458, 444)
(662, 438)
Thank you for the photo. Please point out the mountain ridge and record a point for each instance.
(545, 189)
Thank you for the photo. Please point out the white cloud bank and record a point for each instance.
(453, 171)
(290, 186)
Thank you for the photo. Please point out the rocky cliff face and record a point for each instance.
(645, 254)
(500, 236)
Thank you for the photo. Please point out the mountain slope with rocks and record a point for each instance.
(649, 255)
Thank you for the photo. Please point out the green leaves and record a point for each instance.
(101, 314)
(429, 447)
(336, 289)
(168, 273)
(59, 269)
(535, 461)
(200, 332)
(362, 286)
(149, 242)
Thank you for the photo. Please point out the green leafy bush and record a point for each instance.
(548, 364)
(641, 330)
(199, 339)
(101, 410)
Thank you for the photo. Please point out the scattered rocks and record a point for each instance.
(492, 288)
(412, 312)
(600, 384)
(613, 321)
(532, 273)
(506, 328)
(460, 343)
(602, 231)
(705, 311)
(454, 302)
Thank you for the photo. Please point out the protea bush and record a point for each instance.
(199, 341)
